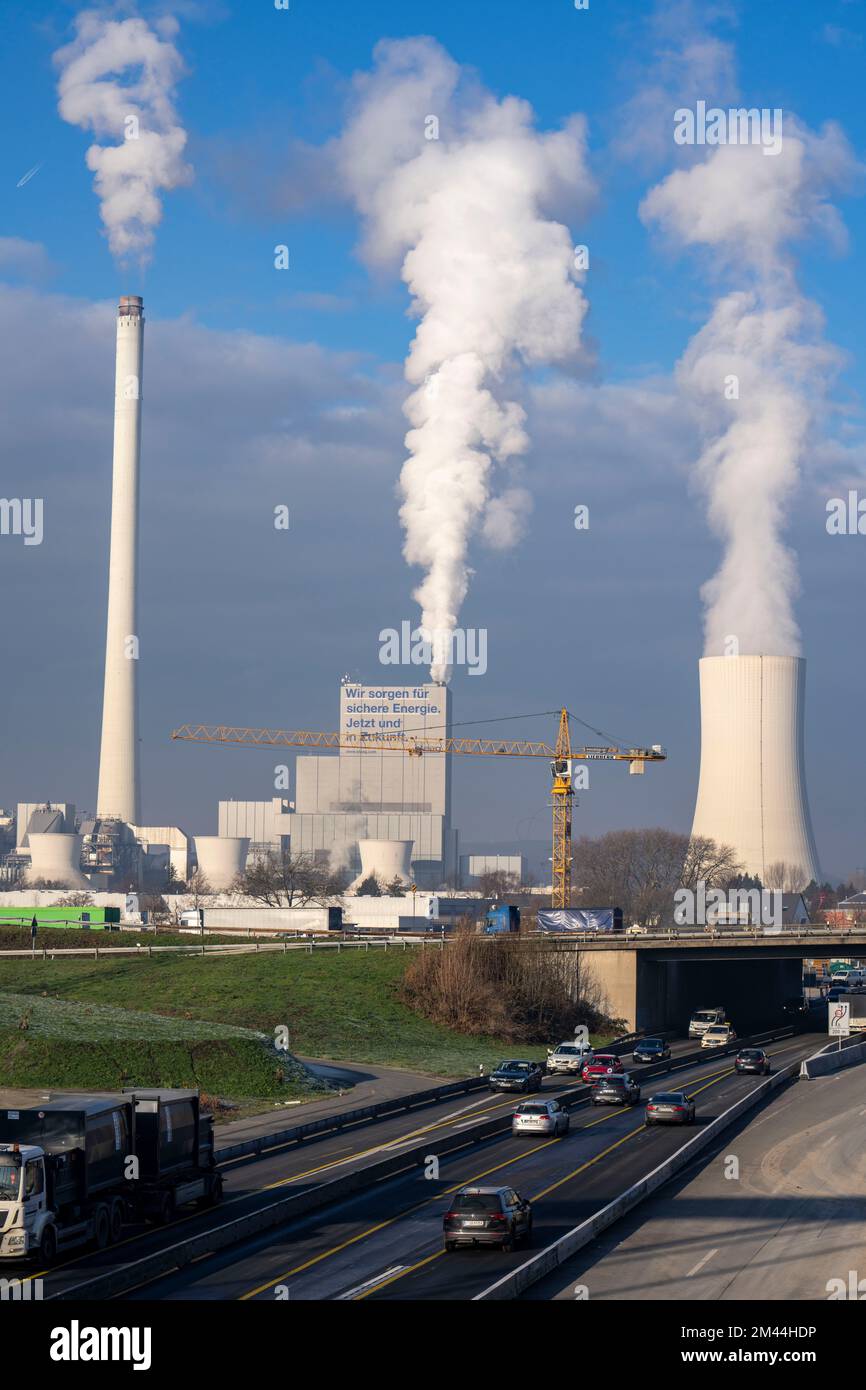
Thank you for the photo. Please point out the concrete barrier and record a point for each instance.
(832, 1059)
(512, 1284)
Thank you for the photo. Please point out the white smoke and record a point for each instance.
(492, 280)
(757, 372)
(117, 79)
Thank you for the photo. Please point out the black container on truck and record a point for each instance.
(75, 1167)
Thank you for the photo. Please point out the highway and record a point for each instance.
(788, 1224)
(386, 1242)
(252, 1183)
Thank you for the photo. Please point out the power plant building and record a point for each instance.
(752, 789)
(380, 795)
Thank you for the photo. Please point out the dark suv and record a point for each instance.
(616, 1090)
(752, 1059)
(517, 1076)
(487, 1216)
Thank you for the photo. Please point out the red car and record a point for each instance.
(602, 1064)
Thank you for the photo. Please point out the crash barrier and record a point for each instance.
(832, 1058)
(120, 1280)
(369, 1114)
(540, 1265)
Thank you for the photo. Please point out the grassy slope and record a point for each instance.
(340, 1006)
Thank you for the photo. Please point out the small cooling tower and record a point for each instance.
(55, 858)
(221, 858)
(387, 859)
(752, 789)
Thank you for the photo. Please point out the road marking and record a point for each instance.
(700, 1264)
(370, 1283)
(409, 1269)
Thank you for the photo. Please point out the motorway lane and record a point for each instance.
(788, 1224)
(388, 1231)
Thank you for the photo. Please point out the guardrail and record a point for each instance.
(561, 1250)
(832, 1059)
(201, 949)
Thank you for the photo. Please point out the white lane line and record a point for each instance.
(370, 1284)
(700, 1264)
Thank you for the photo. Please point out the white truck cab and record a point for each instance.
(702, 1019)
(23, 1200)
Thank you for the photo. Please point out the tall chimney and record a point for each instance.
(752, 792)
(118, 793)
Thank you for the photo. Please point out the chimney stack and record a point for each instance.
(118, 794)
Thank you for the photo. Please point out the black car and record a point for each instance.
(752, 1059)
(487, 1216)
(616, 1090)
(797, 1008)
(651, 1050)
(517, 1076)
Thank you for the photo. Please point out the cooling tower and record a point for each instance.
(55, 858)
(221, 858)
(118, 795)
(752, 789)
(387, 859)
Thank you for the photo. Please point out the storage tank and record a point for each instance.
(387, 859)
(221, 858)
(55, 857)
(752, 788)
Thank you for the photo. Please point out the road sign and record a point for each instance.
(840, 1019)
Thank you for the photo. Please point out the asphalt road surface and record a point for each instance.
(782, 1225)
(386, 1243)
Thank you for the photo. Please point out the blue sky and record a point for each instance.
(239, 631)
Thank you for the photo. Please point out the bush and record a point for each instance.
(522, 990)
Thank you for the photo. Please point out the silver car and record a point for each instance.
(540, 1117)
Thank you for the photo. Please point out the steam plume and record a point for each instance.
(492, 281)
(765, 336)
(117, 79)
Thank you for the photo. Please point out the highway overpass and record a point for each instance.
(657, 981)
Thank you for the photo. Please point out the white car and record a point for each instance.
(569, 1057)
(718, 1035)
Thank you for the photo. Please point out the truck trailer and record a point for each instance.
(75, 1168)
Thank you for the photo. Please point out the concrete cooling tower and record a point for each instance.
(55, 858)
(387, 859)
(118, 794)
(221, 858)
(752, 789)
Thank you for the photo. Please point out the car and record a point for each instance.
(540, 1117)
(718, 1035)
(651, 1050)
(568, 1057)
(671, 1108)
(616, 1090)
(602, 1064)
(517, 1076)
(795, 1008)
(752, 1059)
(487, 1216)
(635, 930)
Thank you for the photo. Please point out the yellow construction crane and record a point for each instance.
(561, 758)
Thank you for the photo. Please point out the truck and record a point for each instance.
(702, 1019)
(76, 1168)
(260, 920)
(500, 919)
(596, 920)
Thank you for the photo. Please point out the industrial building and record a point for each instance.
(752, 788)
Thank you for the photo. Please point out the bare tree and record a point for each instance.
(790, 878)
(641, 870)
(285, 880)
(197, 886)
(498, 884)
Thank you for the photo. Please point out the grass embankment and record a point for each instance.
(342, 1006)
(62, 1043)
